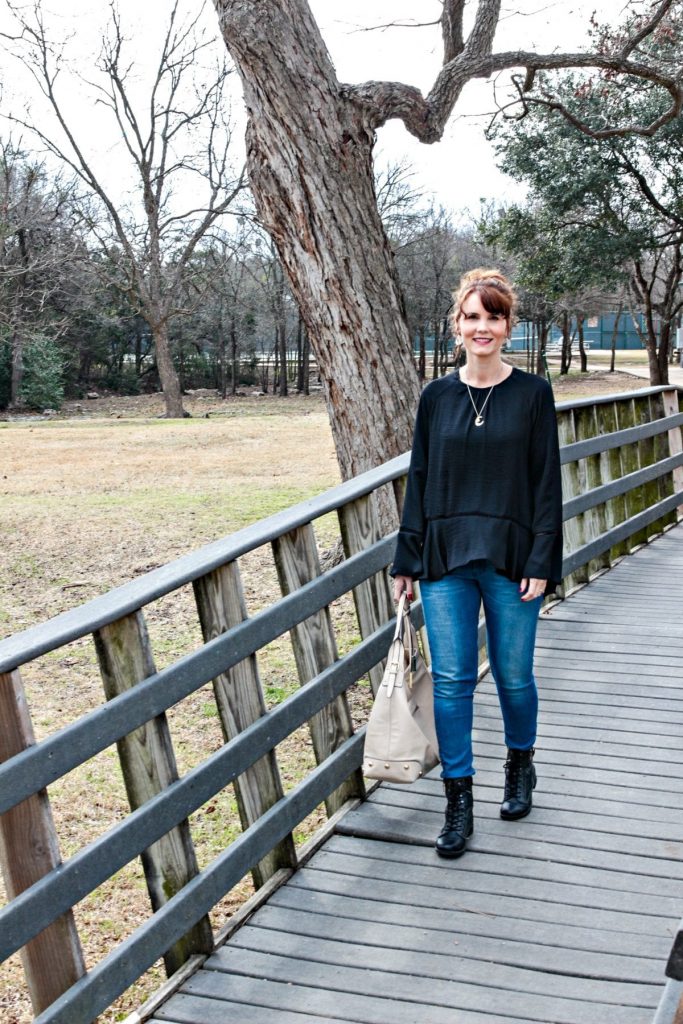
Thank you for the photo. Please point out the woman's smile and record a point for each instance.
(482, 332)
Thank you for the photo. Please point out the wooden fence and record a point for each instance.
(623, 484)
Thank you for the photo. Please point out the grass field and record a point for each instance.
(107, 491)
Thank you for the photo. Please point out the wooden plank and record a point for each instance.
(393, 884)
(429, 998)
(651, 652)
(314, 644)
(650, 804)
(608, 756)
(582, 772)
(489, 786)
(488, 727)
(322, 939)
(148, 766)
(184, 1009)
(240, 702)
(600, 630)
(219, 991)
(478, 910)
(592, 818)
(360, 527)
(29, 850)
(367, 852)
(603, 684)
(418, 949)
(647, 719)
(421, 827)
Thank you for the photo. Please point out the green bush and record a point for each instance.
(122, 381)
(43, 382)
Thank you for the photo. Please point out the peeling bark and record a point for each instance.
(309, 153)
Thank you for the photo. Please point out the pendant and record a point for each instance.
(478, 421)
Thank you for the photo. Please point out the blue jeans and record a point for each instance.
(451, 610)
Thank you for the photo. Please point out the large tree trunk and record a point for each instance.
(309, 154)
(17, 367)
(170, 384)
(582, 346)
(566, 359)
(663, 353)
(613, 341)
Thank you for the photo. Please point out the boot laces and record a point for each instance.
(457, 810)
(517, 775)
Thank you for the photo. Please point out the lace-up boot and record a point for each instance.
(520, 782)
(459, 824)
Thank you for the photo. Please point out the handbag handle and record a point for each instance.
(402, 613)
(403, 617)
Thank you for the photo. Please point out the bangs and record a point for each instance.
(493, 298)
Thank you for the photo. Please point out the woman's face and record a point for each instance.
(483, 334)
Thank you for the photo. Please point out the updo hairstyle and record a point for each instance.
(494, 290)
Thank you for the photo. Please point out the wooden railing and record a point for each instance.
(623, 484)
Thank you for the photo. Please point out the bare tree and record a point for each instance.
(177, 140)
(310, 141)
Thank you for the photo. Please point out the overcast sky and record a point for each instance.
(458, 171)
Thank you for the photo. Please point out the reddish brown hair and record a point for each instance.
(493, 288)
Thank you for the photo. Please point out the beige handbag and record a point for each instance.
(400, 739)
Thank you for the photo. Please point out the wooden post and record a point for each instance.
(314, 645)
(148, 765)
(594, 520)
(647, 453)
(360, 529)
(630, 455)
(572, 485)
(675, 439)
(239, 698)
(29, 850)
(611, 469)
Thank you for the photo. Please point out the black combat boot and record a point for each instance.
(520, 782)
(459, 824)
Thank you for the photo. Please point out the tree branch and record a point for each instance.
(451, 29)
(642, 182)
(426, 117)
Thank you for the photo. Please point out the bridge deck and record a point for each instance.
(567, 916)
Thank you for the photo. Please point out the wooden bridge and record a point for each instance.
(568, 917)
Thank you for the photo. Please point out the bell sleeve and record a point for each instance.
(408, 555)
(545, 558)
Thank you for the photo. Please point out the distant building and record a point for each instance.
(597, 333)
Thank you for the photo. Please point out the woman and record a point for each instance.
(482, 522)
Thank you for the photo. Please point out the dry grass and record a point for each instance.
(86, 504)
(105, 492)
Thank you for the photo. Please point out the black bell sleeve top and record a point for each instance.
(490, 492)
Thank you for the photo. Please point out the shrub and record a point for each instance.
(43, 381)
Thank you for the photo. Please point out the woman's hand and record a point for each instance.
(530, 589)
(403, 583)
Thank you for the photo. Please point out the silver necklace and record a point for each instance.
(478, 413)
